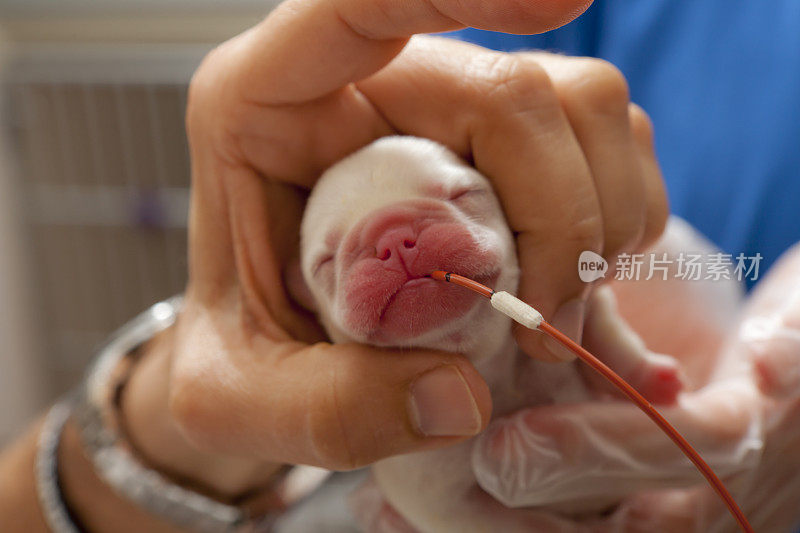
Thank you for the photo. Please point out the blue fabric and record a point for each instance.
(721, 81)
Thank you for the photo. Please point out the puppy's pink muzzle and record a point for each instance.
(388, 256)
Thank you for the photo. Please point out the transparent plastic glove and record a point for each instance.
(374, 514)
(770, 335)
(610, 448)
(770, 330)
(689, 319)
(589, 456)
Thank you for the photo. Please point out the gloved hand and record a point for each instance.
(769, 336)
(606, 450)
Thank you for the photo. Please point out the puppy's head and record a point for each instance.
(379, 221)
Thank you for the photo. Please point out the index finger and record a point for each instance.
(307, 49)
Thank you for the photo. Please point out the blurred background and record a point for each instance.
(94, 175)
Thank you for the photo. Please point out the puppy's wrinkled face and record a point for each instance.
(378, 222)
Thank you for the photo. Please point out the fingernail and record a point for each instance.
(441, 404)
(569, 320)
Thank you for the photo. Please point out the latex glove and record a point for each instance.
(605, 451)
(609, 450)
(374, 515)
(769, 334)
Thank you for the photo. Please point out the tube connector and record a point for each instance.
(516, 309)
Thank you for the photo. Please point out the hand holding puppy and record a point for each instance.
(246, 382)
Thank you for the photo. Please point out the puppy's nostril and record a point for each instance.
(384, 254)
(408, 243)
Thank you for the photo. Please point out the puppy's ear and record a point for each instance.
(296, 286)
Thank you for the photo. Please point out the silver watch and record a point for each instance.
(113, 460)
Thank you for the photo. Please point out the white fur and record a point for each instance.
(432, 490)
(387, 171)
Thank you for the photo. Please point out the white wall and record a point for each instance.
(53, 7)
(129, 31)
(23, 382)
(129, 21)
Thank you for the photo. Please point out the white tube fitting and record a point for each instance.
(516, 309)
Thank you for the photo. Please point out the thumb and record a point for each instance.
(334, 406)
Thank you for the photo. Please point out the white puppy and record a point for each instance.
(376, 224)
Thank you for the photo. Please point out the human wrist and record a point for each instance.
(159, 442)
(183, 502)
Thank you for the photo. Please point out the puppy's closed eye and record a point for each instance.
(468, 192)
(325, 260)
(471, 201)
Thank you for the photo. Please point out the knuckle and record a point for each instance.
(201, 87)
(333, 454)
(329, 442)
(211, 95)
(660, 213)
(625, 216)
(656, 222)
(623, 234)
(585, 232)
(579, 227)
(331, 439)
(641, 124)
(598, 86)
(517, 83)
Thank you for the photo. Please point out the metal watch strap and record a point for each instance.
(115, 464)
(55, 512)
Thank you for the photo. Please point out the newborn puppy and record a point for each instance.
(376, 224)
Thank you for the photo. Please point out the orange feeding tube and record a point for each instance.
(626, 389)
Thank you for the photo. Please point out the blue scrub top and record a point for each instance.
(721, 81)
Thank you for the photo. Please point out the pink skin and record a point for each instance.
(376, 225)
(387, 258)
(658, 377)
(389, 220)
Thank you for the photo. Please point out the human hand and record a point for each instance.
(546, 458)
(769, 337)
(606, 450)
(248, 384)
